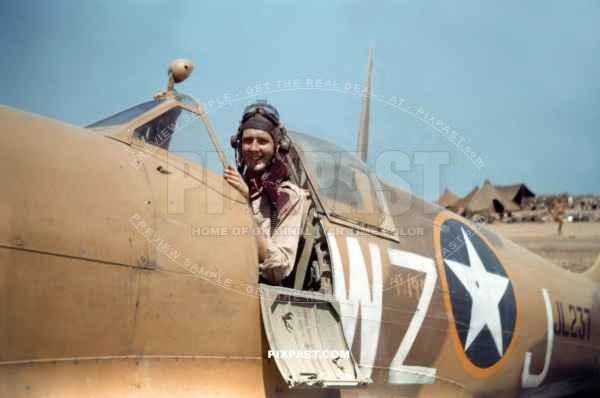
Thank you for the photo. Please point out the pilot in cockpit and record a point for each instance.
(277, 204)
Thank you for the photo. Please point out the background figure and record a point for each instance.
(558, 212)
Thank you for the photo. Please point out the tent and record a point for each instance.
(517, 193)
(486, 199)
(447, 199)
(462, 203)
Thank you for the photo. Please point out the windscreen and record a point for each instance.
(126, 115)
(343, 181)
(183, 133)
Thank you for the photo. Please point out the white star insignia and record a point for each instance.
(486, 291)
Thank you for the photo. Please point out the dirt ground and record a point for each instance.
(576, 249)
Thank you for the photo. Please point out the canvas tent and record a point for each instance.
(448, 199)
(486, 199)
(462, 203)
(517, 193)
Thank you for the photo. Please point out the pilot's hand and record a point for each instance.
(236, 180)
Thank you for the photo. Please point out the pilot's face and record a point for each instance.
(257, 150)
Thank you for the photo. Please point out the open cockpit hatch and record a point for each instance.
(302, 329)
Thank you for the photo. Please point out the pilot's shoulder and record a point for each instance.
(294, 191)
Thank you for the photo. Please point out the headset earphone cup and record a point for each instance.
(284, 143)
(234, 140)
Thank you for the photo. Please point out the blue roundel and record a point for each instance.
(481, 294)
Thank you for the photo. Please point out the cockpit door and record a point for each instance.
(298, 322)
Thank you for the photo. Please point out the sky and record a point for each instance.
(517, 81)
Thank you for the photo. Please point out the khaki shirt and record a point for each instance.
(283, 244)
